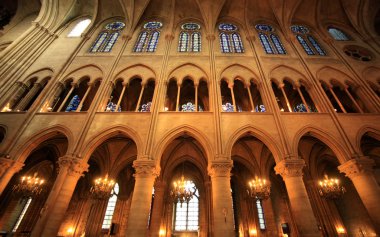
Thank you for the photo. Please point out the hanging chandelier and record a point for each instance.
(181, 191)
(259, 189)
(102, 188)
(29, 186)
(331, 188)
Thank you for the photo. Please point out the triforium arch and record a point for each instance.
(372, 76)
(368, 142)
(185, 157)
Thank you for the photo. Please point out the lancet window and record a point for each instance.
(186, 216)
(230, 40)
(107, 37)
(190, 38)
(107, 221)
(147, 40)
(338, 34)
(307, 41)
(79, 28)
(270, 41)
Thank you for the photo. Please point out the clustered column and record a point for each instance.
(8, 168)
(291, 172)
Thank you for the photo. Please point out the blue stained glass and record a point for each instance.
(153, 25)
(111, 107)
(115, 26)
(264, 27)
(190, 26)
(111, 41)
(265, 43)
(316, 45)
(188, 107)
(301, 108)
(74, 103)
(228, 107)
(140, 43)
(196, 42)
(338, 34)
(146, 107)
(304, 44)
(277, 43)
(183, 45)
(227, 27)
(152, 44)
(224, 43)
(98, 42)
(238, 45)
(260, 108)
(299, 29)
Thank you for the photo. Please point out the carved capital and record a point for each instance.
(357, 167)
(220, 168)
(74, 166)
(145, 168)
(290, 168)
(7, 164)
(210, 37)
(169, 36)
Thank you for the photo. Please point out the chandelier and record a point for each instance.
(29, 186)
(102, 188)
(259, 189)
(181, 191)
(331, 188)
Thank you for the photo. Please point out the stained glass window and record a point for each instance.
(270, 41)
(230, 40)
(190, 38)
(307, 41)
(107, 221)
(338, 34)
(107, 38)
(260, 213)
(79, 28)
(22, 214)
(265, 43)
(148, 38)
(187, 215)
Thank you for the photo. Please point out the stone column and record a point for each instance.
(52, 214)
(158, 205)
(223, 222)
(50, 104)
(28, 97)
(146, 172)
(360, 171)
(8, 168)
(291, 172)
(17, 94)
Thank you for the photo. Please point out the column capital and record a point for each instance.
(220, 168)
(145, 168)
(357, 167)
(169, 36)
(9, 164)
(290, 168)
(210, 37)
(74, 166)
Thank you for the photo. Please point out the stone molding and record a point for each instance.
(74, 166)
(357, 167)
(290, 168)
(220, 169)
(9, 164)
(210, 37)
(145, 168)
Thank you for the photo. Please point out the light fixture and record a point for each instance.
(331, 188)
(29, 186)
(259, 188)
(181, 191)
(102, 188)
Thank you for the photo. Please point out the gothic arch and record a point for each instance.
(260, 135)
(136, 71)
(327, 74)
(230, 73)
(324, 137)
(88, 71)
(40, 74)
(282, 72)
(372, 74)
(371, 131)
(94, 141)
(188, 70)
(178, 131)
(25, 148)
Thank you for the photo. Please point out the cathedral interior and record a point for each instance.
(190, 118)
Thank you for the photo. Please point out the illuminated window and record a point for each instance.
(190, 38)
(338, 34)
(107, 38)
(307, 41)
(107, 221)
(21, 216)
(148, 37)
(260, 213)
(187, 215)
(230, 40)
(79, 28)
(269, 40)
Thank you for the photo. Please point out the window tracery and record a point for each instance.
(107, 38)
(307, 41)
(230, 40)
(269, 40)
(148, 37)
(190, 38)
(186, 216)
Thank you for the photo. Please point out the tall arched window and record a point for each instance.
(307, 41)
(148, 37)
(230, 40)
(190, 38)
(269, 40)
(186, 216)
(107, 221)
(79, 28)
(107, 38)
(337, 34)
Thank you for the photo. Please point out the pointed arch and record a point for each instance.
(188, 70)
(328, 73)
(239, 71)
(91, 71)
(40, 74)
(138, 70)
(370, 130)
(282, 72)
